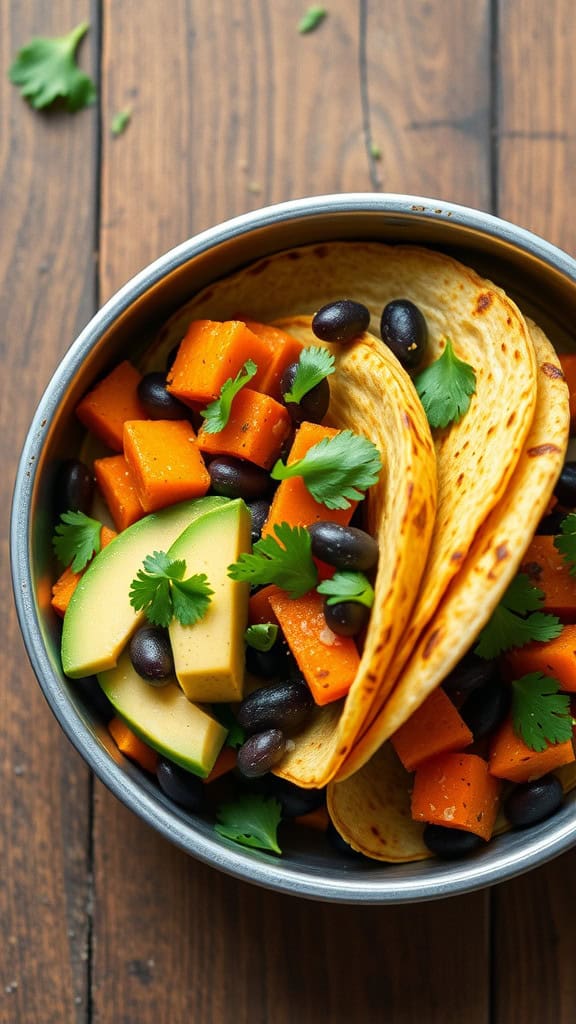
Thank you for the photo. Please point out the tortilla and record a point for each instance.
(492, 563)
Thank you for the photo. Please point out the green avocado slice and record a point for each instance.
(100, 620)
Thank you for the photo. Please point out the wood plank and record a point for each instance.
(533, 930)
(46, 280)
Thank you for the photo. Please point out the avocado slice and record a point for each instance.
(100, 620)
(164, 718)
(209, 656)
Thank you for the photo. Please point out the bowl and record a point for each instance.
(540, 277)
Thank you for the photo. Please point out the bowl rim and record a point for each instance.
(442, 878)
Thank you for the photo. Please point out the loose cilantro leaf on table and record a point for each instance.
(76, 538)
(314, 364)
(45, 70)
(540, 713)
(251, 820)
(445, 388)
(285, 560)
(161, 591)
(261, 636)
(348, 586)
(217, 414)
(565, 542)
(335, 469)
(120, 122)
(515, 622)
(311, 19)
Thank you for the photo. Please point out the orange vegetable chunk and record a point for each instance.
(116, 481)
(285, 350)
(456, 791)
(568, 364)
(256, 430)
(224, 763)
(166, 462)
(510, 758)
(549, 572)
(132, 746)
(328, 662)
(555, 658)
(292, 502)
(434, 728)
(212, 352)
(260, 610)
(318, 819)
(105, 408)
(66, 584)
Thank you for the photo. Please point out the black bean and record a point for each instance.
(261, 752)
(449, 843)
(151, 654)
(341, 321)
(531, 802)
(74, 487)
(346, 618)
(313, 406)
(345, 547)
(470, 673)
(338, 843)
(551, 523)
(404, 330)
(236, 478)
(158, 402)
(284, 706)
(486, 707)
(259, 514)
(273, 663)
(181, 786)
(565, 489)
(293, 799)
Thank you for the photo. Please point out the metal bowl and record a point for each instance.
(540, 277)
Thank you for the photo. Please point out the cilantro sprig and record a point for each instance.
(161, 591)
(76, 539)
(336, 470)
(515, 620)
(251, 820)
(565, 542)
(314, 365)
(217, 414)
(262, 636)
(348, 586)
(540, 713)
(45, 70)
(285, 560)
(445, 388)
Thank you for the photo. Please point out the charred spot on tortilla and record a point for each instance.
(511, 419)
(431, 643)
(502, 552)
(258, 268)
(554, 372)
(483, 302)
(543, 449)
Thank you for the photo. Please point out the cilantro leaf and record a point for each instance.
(161, 592)
(251, 820)
(540, 713)
(262, 636)
(311, 19)
(314, 365)
(120, 122)
(76, 538)
(348, 586)
(285, 560)
(335, 469)
(217, 414)
(224, 714)
(512, 626)
(565, 543)
(445, 388)
(45, 70)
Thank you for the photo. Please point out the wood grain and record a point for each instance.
(533, 928)
(47, 177)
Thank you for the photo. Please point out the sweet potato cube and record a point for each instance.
(549, 572)
(256, 430)
(116, 481)
(212, 352)
(556, 658)
(105, 408)
(259, 608)
(510, 758)
(166, 462)
(292, 502)
(285, 350)
(328, 662)
(67, 582)
(568, 364)
(435, 728)
(456, 791)
(132, 746)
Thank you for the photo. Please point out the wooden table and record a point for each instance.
(101, 920)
